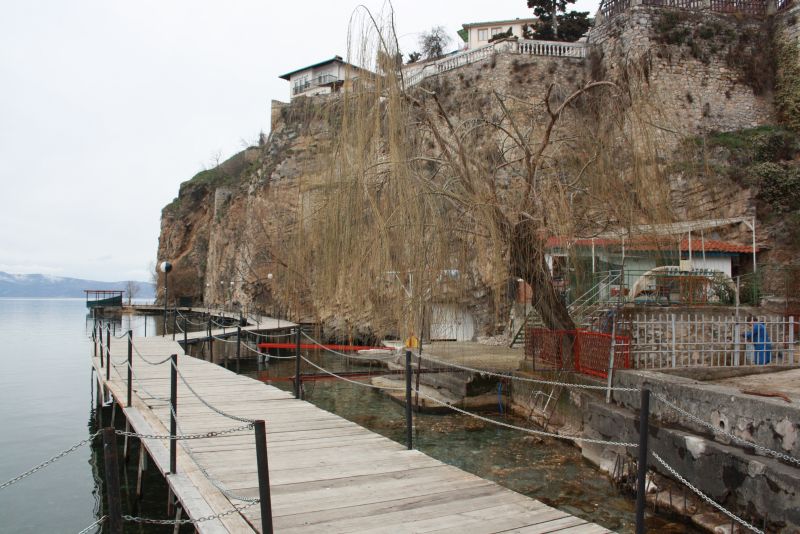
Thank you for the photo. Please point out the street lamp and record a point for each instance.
(165, 268)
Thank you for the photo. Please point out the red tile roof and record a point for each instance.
(711, 245)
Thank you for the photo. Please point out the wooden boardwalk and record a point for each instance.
(327, 474)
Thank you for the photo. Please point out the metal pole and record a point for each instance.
(611, 358)
(644, 428)
(112, 481)
(130, 367)
(173, 423)
(674, 341)
(174, 322)
(108, 353)
(166, 294)
(297, 363)
(94, 337)
(409, 421)
(238, 346)
(210, 342)
(263, 477)
(185, 336)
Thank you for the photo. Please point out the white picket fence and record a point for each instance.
(664, 340)
(512, 46)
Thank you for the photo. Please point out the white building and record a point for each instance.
(321, 78)
(479, 33)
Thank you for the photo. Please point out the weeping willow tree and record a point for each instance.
(428, 195)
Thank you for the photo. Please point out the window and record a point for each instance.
(495, 31)
(483, 35)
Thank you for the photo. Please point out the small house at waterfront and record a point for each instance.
(477, 34)
(321, 78)
(650, 269)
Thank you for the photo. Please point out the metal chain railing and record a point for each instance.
(96, 523)
(705, 497)
(491, 373)
(184, 437)
(209, 405)
(765, 450)
(150, 362)
(245, 345)
(203, 519)
(216, 483)
(476, 416)
(287, 334)
(524, 429)
(356, 382)
(49, 461)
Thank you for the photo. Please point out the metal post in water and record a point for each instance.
(210, 342)
(238, 347)
(173, 423)
(94, 337)
(641, 475)
(112, 481)
(297, 379)
(263, 477)
(130, 367)
(409, 421)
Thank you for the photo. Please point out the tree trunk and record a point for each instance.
(529, 263)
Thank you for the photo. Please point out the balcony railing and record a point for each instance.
(319, 81)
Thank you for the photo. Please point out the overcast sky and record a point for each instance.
(107, 106)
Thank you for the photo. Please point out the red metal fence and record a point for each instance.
(581, 351)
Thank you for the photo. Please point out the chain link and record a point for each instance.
(182, 437)
(96, 523)
(733, 437)
(54, 459)
(203, 519)
(160, 362)
(705, 497)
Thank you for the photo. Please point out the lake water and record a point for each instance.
(46, 406)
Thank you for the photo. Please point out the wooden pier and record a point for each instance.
(326, 474)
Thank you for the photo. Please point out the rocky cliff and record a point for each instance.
(232, 230)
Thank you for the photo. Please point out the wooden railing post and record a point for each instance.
(263, 477)
(112, 481)
(173, 422)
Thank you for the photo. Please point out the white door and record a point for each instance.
(451, 323)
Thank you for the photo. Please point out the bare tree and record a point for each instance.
(433, 42)
(132, 289)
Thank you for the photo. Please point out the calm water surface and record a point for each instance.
(46, 406)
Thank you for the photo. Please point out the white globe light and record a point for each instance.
(269, 276)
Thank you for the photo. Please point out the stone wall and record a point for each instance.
(788, 20)
(692, 64)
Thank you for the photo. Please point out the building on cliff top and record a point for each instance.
(321, 78)
(477, 34)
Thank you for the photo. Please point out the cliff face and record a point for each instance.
(228, 230)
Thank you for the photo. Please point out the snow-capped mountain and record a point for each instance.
(45, 285)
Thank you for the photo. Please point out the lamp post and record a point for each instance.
(165, 268)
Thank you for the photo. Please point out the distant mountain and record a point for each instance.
(47, 286)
